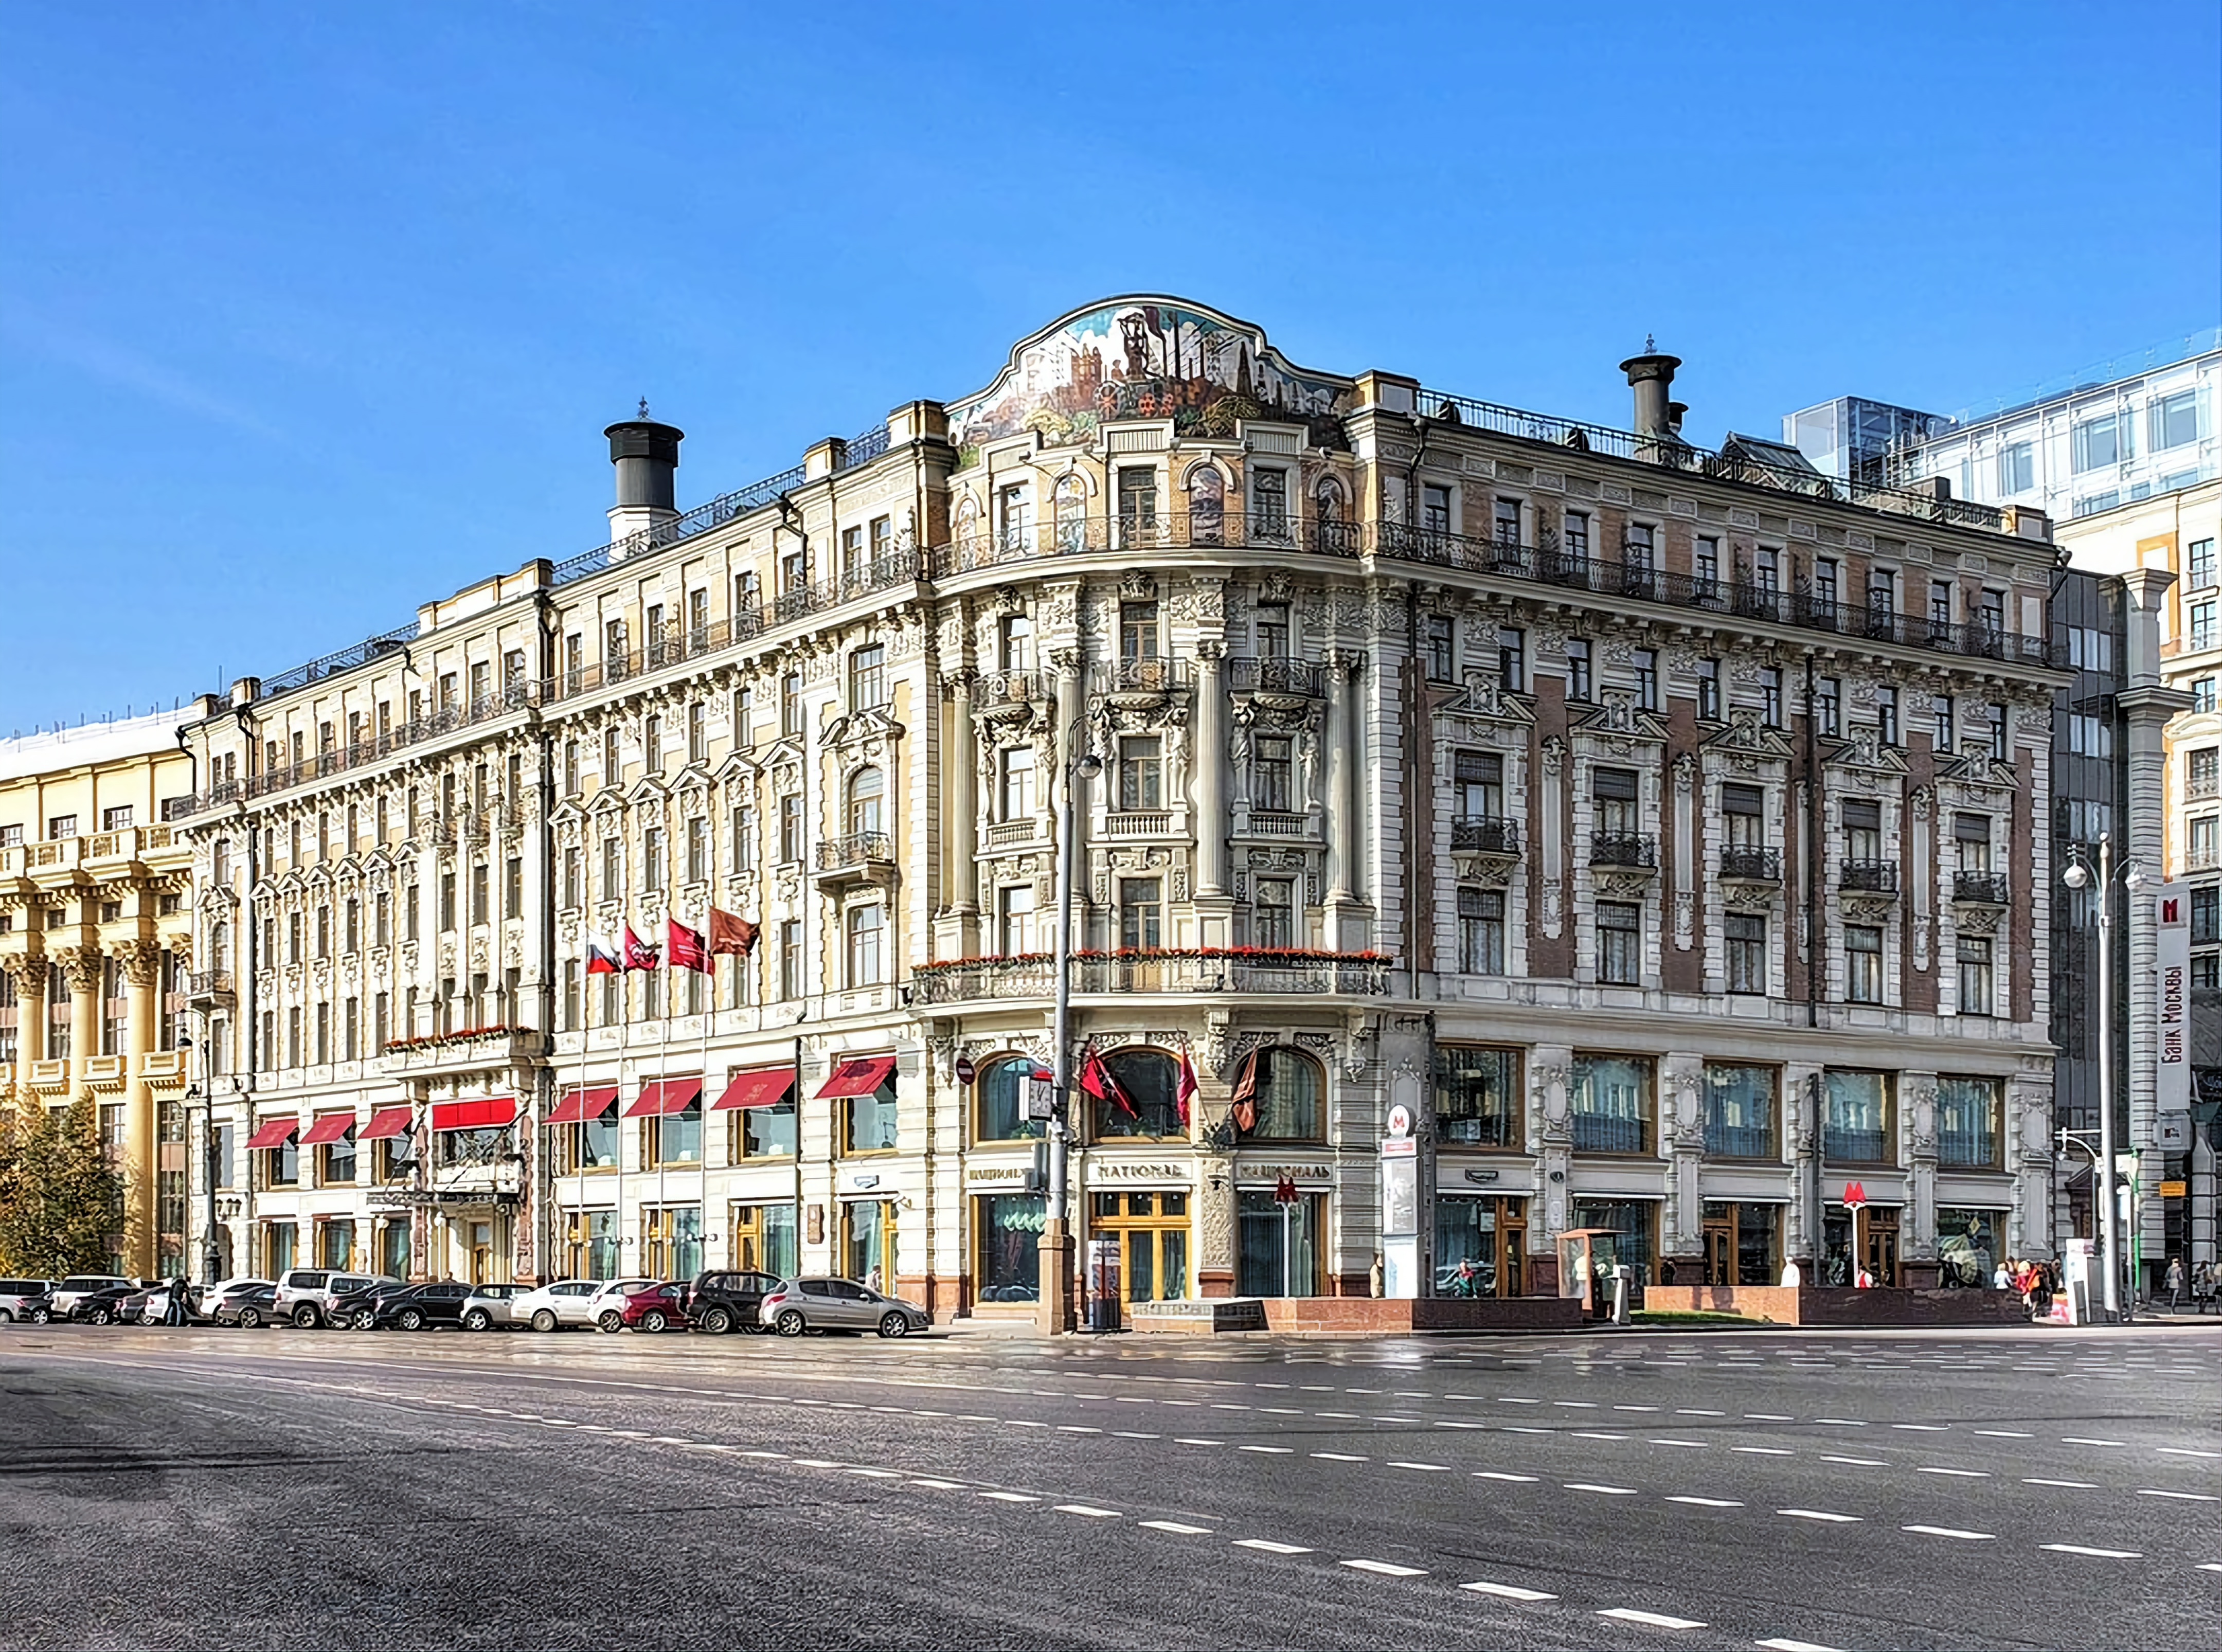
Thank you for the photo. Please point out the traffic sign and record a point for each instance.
(1400, 1119)
(1285, 1190)
(1856, 1197)
(966, 1072)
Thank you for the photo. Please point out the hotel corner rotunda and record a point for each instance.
(1538, 827)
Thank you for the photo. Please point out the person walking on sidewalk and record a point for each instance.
(2173, 1280)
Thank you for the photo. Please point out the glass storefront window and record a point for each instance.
(1477, 1097)
(1968, 1122)
(281, 1244)
(1001, 1100)
(763, 1239)
(1480, 1244)
(1007, 1265)
(764, 1132)
(1609, 1104)
(1740, 1111)
(1743, 1243)
(1630, 1235)
(481, 1146)
(1970, 1245)
(1263, 1265)
(868, 1241)
(1152, 1233)
(869, 1125)
(676, 1138)
(1288, 1097)
(336, 1244)
(592, 1145)
(393, 1247)
(1858, 1126)
(1148, 1078)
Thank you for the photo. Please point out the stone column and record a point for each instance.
(82, 969)
(1550, 1140)
(1682, 1143)
(964, 792)
(141, 963)
(1210, 771)
(30, 972)
(1345, 927)
(1918, 1267)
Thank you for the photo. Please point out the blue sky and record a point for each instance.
(308, 315)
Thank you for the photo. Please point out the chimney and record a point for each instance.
(645, 454)
(1652, 376)
(1675, 413)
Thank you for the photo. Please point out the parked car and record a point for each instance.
(605, 1308)
(717, 1303)
(19, 1298)
(822, 1305)
(75, 1288)
(155, 1310)
(491, 1305)
(104, 1306)
(306, 1295)
(249, 1305)
(563, 1305)
(354, 1310)
(417, 1307)
(659, 1308)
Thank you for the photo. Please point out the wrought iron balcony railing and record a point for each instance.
(1598, 1132)
(1275, 677)
(856, 849)
(1623, 848)
(1203, 970)
(1752, 864)
(1487, 834)
(1868, 876)
(1982, 888)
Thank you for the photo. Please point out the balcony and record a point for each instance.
(1174, 531)
(1275, 823)
(1489, 834)
(1006, 834)
(1147, 681)
(207, 989)
(1868, 876)
(860, 857)
(1624, 850)
(2202, 786)
(1749, 863)
(1139, 823)
(472, 1049)
(1981, 889)
(1001, 696)
(1033, 976)
(1597, 1133)
(1297, 679)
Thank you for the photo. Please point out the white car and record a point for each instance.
(78, 1285)
(562, 1305)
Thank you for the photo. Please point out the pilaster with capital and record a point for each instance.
(1342, 837)
(964, 793)
(82, 967)
(31, 973)
(1210, 749)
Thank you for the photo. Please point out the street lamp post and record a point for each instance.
(1057, 1309)
(2110, 1220)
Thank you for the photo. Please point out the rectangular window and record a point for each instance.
(1886, 715)
(1770, 695)
(868, 678)
(1616, 795)
(1974, 957)
(1828, 706)
(1477, 785)
(1746, 934)
(698, 851)
(1740, 1110)
(1620, 943)
(1276, 913)
(1269, 493)
(480, 875)
(1015, 642)
(612, 868)
(1857, 1127)
(1440, 644)
(2198, 563)
(2206, 916)
(1578, 535)
(1481, 930)
(1435, 509)
(1016, 935)
(1825, 585)
(651, 860)
(790, 704)
(1578, 685)
(790, 830)
(2106, 440)
(1709, 691)
(1512, 659)
(1508, 522)
(2017, 469)
(2173, 421)
(1941, 737)
(790, 958)
(1141, 773)
(1705, 567)
(2202, 694)
(1137, 504)
(1608, 1104)
(868, 930)
(1137, 632)
(1141, 913)
(1478, 1091)
(742, 858)
(868, 1124)
(1015, 783)
(1862, 964)
(1647, 679)
(1272, 774)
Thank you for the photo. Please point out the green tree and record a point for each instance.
(61, 1203)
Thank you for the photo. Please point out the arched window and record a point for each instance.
(1287, 1097)
(868, 790)
(1206, 506)
(1069, 502)
(1327, 505)
(1139, 1095)
(999, 1101)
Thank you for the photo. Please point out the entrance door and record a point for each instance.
(1879, 1246)
(1720, 1252)
(867, 1242)
(1152, 1233)
(482, 1253)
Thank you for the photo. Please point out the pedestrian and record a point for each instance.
(872, 1279)
(2004, 1278)
(1865, 1282)
(2173, 1280)
(173, 1311)
(1463, 1285)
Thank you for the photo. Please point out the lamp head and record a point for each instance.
(2076, 876)
(1090, 765)
(2133, 877)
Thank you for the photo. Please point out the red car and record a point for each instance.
(659, 1308)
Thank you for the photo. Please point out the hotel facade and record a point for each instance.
(1555, 827)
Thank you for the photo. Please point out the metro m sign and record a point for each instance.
(2172, 1056)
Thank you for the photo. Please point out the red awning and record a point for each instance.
(858, 1075)
(481, 1114)
(580, 1103)
(767, 1088)
(386, 1123)
(272, 1133)
(662, 1096)
(332, 1126)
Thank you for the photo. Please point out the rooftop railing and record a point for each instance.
(1198, 970)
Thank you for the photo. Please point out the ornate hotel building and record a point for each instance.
(1553, 827)
(96, 937)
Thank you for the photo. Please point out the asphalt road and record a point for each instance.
(229, 1489)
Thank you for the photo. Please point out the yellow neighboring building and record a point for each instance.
(95, 924)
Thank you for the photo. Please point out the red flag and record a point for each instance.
(601, 957)
(1096, 1078)
(1184, 1089)
(687, 950)
(1244, 1110)
(640, 954)
(729, 933)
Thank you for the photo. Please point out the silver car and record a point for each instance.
(19, 1296)
(491, 1306)
(605, 1308)
(824, 1305)
(562, 1305)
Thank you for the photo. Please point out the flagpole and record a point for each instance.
(624, 1044)
(702, 1146)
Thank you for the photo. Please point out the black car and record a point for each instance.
(722, 1301)
(403, 1307)
(249, 1309)
(105, 1307)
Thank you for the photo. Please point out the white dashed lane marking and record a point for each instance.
(1385, 1569)
(1604, 1491)
(1010, 1496)
(1651, 1619)
(1341, 1456)
(1088, 1512)
(2095, 1554)
(1795, 1646)
(1708, 1502)
(1821, 1514)
(1270, 1547)
(1177, 1528)
(1508, 1592)
(1493, 1474)
(2181, 1496)
(1951, 1531)
(2072, 1485)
